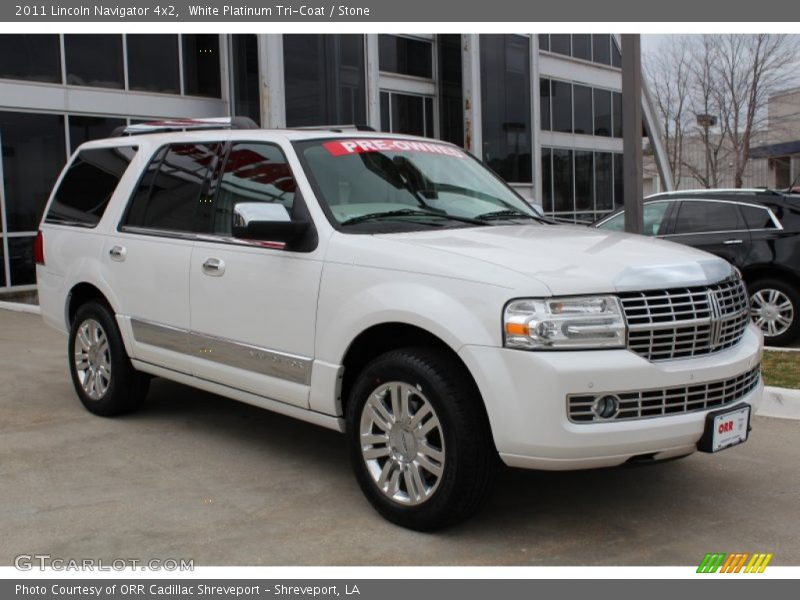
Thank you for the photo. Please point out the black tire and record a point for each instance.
(470, 457)
(125, 388)
(793, 295)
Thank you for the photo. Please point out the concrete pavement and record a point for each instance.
(198, 476)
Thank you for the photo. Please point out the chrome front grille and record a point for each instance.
(686, 322)
(670, 401)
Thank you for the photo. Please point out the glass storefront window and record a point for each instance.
(201, 68)
(246, 89)
(563, 188)
(544, 104)
(325, 80)
(407, 113)
(407, 56)
(544, 41)
(601, 48)
(584, 181)
(602, 112)
(451, 112)
(94, 60)
(583, 121)
(506, 105)
(547, 180)
(20, 258)
(582, 46)
(33, 153)
(35, 57)
(2, 264)
(562, 106)
(580, 184)
(619, 197)
(616, 55)
(603, 181)
(561, 43)
(153, 63)
(616, 110)
(83, 129)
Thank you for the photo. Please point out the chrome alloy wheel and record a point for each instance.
(402, 443)
(772, 311)
(93, 359)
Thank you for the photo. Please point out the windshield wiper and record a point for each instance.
(409, 212)
(505, 214)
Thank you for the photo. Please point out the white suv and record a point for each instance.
(394, 289)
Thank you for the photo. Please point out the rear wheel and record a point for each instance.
(102, 374)
(420, 442)
(775, 308)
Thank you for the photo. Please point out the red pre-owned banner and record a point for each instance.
(348, 147)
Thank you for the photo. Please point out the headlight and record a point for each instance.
(569, 323)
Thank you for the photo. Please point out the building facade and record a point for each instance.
(543, 110)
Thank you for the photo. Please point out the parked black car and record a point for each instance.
(756, 230)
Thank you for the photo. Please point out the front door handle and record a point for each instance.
(214, 267)
(118, 253)
(732, 242)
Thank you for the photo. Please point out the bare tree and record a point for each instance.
(712, 92)
(750, 68)
(668, 72)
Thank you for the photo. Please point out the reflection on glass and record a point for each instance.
(325, 80)
(35, 57)
(201, 76)
(406, 56)
(506, 105)
(33, 154)
(153, 63)
(94, 60)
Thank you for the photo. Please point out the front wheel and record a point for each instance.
(419, 439)
(775, 308)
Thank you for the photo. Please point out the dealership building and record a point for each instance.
(543, 110)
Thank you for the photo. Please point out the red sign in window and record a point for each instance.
(348, 147)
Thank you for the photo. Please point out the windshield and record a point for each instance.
(391, 184)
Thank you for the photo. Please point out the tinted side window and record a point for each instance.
(253, 172)
(699, 217)
(88, 185)
(171, 194)
(757, 217)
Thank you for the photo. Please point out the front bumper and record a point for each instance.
(526, 399)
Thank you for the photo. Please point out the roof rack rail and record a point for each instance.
(185, 125)
(336, 128)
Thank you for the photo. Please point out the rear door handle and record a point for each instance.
(732, 242)
(214, 267)
(118, 253)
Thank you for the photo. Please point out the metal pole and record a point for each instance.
(632, 132)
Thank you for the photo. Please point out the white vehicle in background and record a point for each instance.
(394, 289)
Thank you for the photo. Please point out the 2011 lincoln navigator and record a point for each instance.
(394, 289)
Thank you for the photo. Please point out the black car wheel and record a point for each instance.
(774, 307)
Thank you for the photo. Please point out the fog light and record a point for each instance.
(606, 407)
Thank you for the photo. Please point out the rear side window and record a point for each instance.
(757, 217)
(90, 181)
(706, 217)
(172, 194)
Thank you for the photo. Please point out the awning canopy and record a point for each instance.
(771, 150)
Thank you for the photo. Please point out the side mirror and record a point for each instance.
(265, 221)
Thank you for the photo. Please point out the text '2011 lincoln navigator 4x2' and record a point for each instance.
(392, 288)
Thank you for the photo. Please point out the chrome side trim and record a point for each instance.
(251, 358)
(162, 336)
(272, 363)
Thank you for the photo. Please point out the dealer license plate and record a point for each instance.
(724, 429)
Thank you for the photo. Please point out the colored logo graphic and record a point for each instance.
(741, 562)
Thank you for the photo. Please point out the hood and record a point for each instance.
(575, 260)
